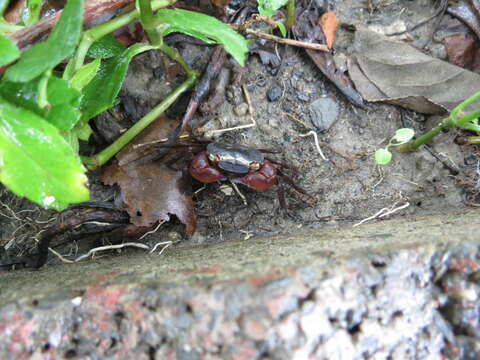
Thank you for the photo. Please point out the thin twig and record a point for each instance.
(237, 190)
(385, 212)
(166, 245)
(317, 145)
(153, 231)
(111, 247)
(302, 44)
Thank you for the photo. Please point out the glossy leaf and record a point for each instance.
(85, 74)
(64, 109)
(268, 7)
(31, 13)
(282, 28)
(383, 156)
(101, 92)
(403, 136)
(106, 47)
(203, 27)
(60, 44)
(36, 161)
(8, 51)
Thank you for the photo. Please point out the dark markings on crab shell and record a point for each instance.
(236, 159)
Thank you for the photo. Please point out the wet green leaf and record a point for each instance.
(106, 47)
(403, 136)
(64, 110)
(268, 7)
(282, 28)
(203, 27)
(100, 94)
(8, 51)
(36, 161)
(85, 74)
(60, 44)
(383, 156)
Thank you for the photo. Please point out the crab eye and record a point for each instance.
(254, 166)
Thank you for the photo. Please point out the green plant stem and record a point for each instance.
(106, 154)
(148, 24)
(463, 105)
(42, 90)
(101, 30)
(415, 144)
(290, 21)
(173, 54)
(6, 27)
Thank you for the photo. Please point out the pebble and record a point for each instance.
(274, 93)
(241, 109)
(324, 113)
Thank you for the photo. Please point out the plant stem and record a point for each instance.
(101, 30)
(470, 140)
(415, 144)
(290, 21)
(106, 154)
(463, 105)
(173, 54)
(6, 27)
(148, 24)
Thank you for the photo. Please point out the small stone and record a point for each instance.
(241, 110)
(324, 113)
(303, 96)
(274, 93)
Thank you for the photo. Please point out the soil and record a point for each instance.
(349, 186)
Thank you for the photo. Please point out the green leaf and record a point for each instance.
(268, 7)
(8, 51)
(60, 44)
(106, 47)
(282, 28)
(203, 27)
(101, 92)
(85, 74)
(31, 13)
(37, 162)
(403, 136)
(64, 110)
(3, 6)
(383, 156)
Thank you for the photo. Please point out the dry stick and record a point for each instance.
(302, 44)
(385, 212)
(112, 247)
(93, 9)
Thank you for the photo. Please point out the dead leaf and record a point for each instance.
(328, 22)
(392, 71)
(152, 191)
(468, 13)
(306, 29)
(461, 50)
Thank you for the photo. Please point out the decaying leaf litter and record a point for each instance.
(289, 101)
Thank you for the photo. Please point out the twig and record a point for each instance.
(302, 44)
(385, 212)
(152, 231)
(317, 145)
(111, 247)
(166, 245)
(237, 190)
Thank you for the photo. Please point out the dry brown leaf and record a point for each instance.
(392, 71)
(152, 191)
(328, 22)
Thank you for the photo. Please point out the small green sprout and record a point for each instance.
(402, 136)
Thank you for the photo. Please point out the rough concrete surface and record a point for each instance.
(398, 289)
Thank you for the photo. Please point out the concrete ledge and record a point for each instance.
(399, 289)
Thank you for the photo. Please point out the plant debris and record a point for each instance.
(394, 72)
(151, 191)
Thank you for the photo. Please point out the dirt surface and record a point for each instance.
(400, 289)
(348, 186)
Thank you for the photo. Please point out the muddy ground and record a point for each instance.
(349, 186)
